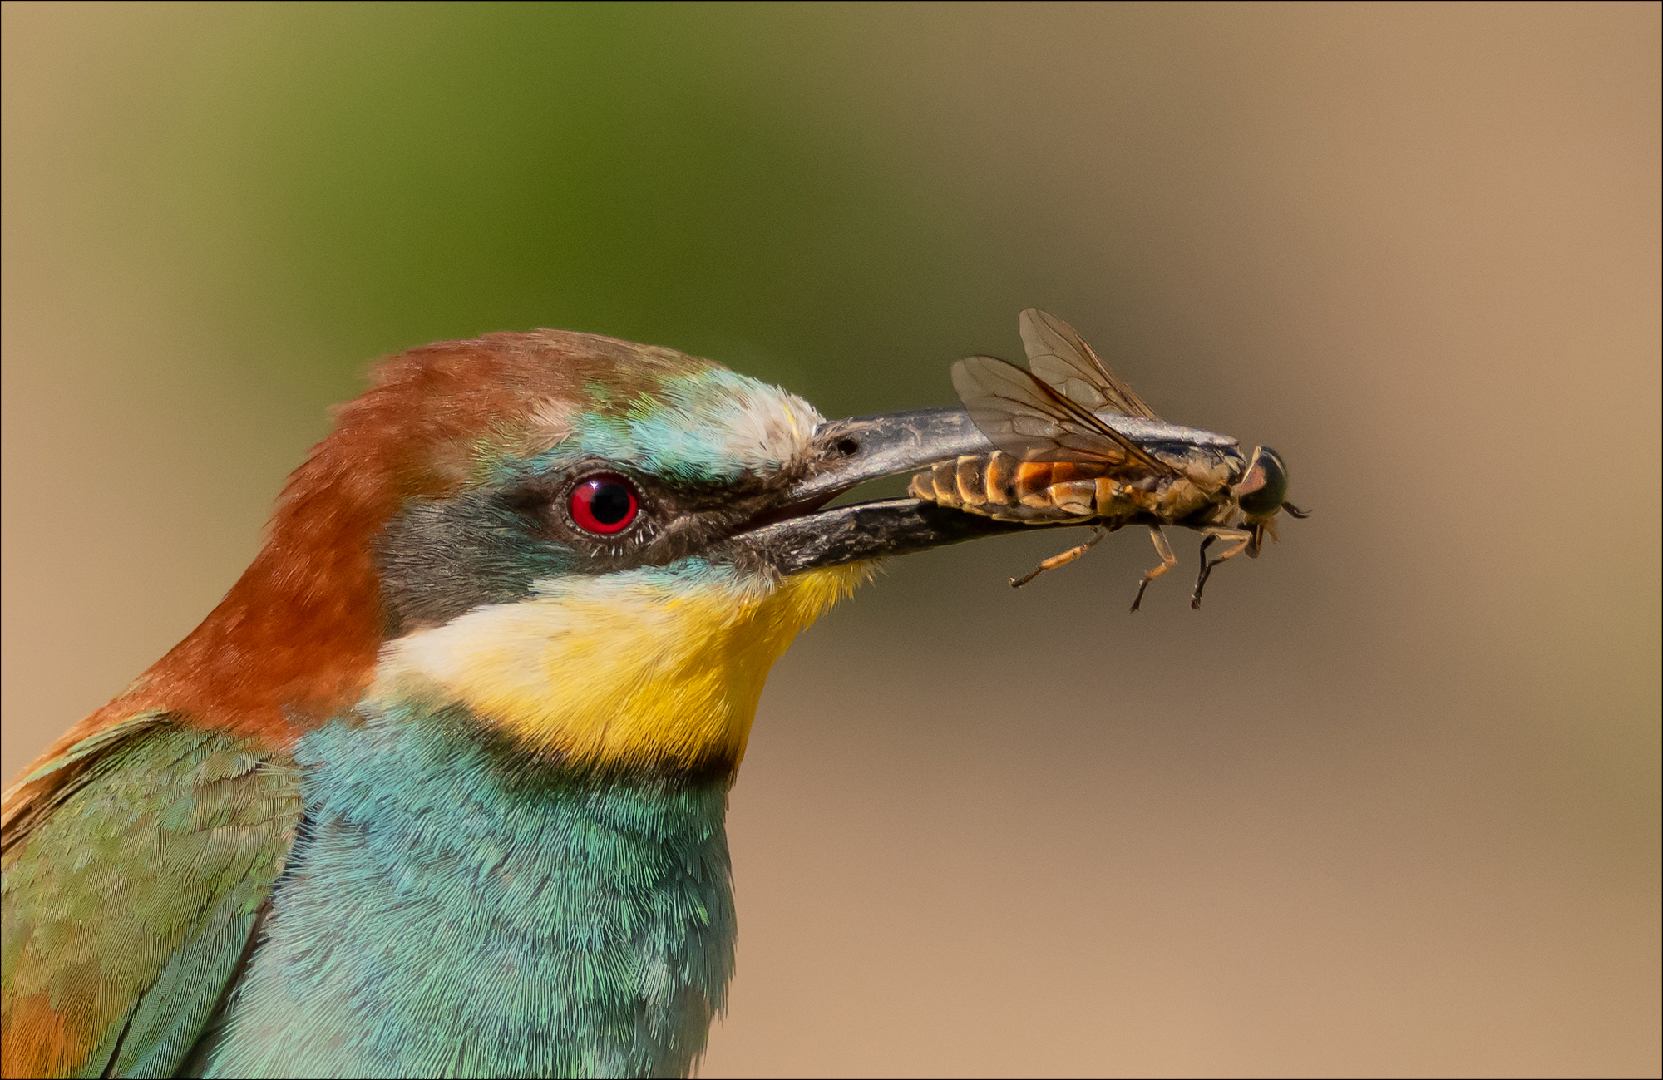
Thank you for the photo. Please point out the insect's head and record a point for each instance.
(1262, 493)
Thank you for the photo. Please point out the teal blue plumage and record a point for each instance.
(453, 909)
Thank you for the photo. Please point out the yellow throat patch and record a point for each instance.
(646, 667)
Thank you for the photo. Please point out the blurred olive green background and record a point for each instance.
(1388, 804)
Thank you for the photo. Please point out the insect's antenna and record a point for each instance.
(1296, 511)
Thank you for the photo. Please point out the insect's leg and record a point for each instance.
(1206, 568)
(1240, 537)
(1059, 560)
(1168, 561)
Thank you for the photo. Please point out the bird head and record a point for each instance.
(596, 549)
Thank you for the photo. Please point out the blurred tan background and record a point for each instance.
(1388, 804)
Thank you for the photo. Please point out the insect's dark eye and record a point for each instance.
(604, 504)
(1266, 484)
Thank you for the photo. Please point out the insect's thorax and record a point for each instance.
(1213, 469)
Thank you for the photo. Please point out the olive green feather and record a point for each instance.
(178, 831)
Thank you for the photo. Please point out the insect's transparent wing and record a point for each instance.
(1061, 358)
(1027, 419)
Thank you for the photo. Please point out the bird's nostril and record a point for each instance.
(848, 447)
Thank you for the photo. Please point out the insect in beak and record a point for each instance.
(1067, 443)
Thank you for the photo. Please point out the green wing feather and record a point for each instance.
(132, 900)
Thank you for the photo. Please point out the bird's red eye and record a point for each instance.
(604, 504)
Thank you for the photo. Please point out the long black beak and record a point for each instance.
(846, 453)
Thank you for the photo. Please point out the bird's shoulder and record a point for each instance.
(136, 871)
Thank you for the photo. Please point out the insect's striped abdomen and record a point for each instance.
(1000, 486)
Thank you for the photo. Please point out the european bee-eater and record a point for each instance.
(439, 787)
